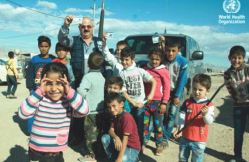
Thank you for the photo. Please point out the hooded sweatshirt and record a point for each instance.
(162, 77)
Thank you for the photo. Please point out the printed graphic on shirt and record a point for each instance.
(133, 85)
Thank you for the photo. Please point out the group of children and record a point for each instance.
(121, 108)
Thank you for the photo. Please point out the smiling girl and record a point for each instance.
(50, 105)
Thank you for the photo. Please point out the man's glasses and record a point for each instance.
(86, 26)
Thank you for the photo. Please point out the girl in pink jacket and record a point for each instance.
(156, 108)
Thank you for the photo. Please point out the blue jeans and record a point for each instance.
(169, 121)
(197, 149)
(239, 121)
(130, 155)
(138, 114)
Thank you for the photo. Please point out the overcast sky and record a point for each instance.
(21, 23)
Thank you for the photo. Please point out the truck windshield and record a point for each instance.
(142, 44)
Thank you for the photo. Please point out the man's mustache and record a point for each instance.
(86, 31)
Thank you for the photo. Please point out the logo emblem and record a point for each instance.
(231, 6)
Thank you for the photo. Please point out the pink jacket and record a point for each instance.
(162, 77)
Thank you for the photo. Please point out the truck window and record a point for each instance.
(142, 44)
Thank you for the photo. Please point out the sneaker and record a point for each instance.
(159, 150)
(12, 96)
(87, 158)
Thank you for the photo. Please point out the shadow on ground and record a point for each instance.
(17, 154)
(225, 116)
(219, 155)
(22, 123)
(4, 93)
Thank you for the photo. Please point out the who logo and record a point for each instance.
(231, 6)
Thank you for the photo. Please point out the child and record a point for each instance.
(92, 89)
(50, 105)
(115, 84)
(194, 137)
(134, 78)
(121, 144)
(62, 52)
(178, 69)
(33, 72)
(12, 76)
(237, 83)
(157, 107)
(119, 46)
(114, 60)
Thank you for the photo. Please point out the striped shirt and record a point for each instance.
(50, 129)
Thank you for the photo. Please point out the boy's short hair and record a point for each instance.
(95, 60)
(237, 50)
(157, 51)
(11, 54)
(114, 96)
(203, 79)
(43, 38)
(115, 80)
(59, 46)
(127, 52)
(173, 42)
(122, 42)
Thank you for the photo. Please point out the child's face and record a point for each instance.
(62, 54)
(155, 60)
(199, 91)
(113, 88)
(54, 88)
(44, 48)
(119, 48)
(171, 53)
(115, 108)
(237, 61)
(126, 62)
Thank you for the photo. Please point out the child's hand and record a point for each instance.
(104, 38)
(43, 83)
(175, 135)
(138, 104)
(176, 101)
(150, 97)
(68, 20)
(204, 110)
(162, 108)
(119, 159)
(117, 143)
(65, 84)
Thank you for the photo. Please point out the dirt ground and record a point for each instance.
(14, 141)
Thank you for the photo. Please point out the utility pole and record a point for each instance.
(94, 12)
(101, 21)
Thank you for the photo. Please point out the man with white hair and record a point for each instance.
(80, 45)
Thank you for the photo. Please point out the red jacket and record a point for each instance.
(198, 130)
